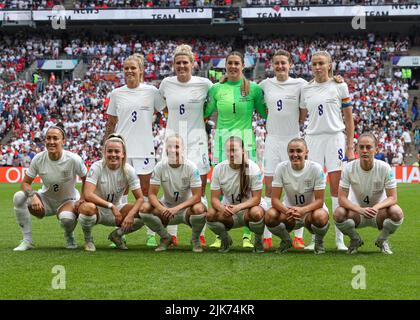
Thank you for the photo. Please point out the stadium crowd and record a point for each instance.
(107, 55)
(18, 52)
(104, 4)
(380, 102)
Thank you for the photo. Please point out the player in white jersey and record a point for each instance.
(106, 183)
(303, 182)
(58, 170)
(282, 96)
(368, 197)
(130, 113)
(239, 180)
(327, 102)
(181, 184)
(185, 96)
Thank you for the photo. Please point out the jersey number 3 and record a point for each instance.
(134, 116)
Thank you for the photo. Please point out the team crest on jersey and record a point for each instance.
(66, 173)
(377, 185)
(308, 184)
(185, 181)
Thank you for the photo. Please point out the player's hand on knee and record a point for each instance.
(37, 205)
(77, 205)
(127, 224)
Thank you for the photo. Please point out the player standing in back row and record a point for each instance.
(130, 111)
(282, 95)
(185, 96)
(327, 102)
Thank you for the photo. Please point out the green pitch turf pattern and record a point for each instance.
(140, 273)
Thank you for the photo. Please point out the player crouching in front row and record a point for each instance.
(373, 197)
(181, 184)
(105, 185)
(240, 182)
(304, 184)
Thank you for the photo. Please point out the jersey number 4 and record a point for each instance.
(366, 200)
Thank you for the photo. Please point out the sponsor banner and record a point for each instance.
(59, 64)
(403, 174)
(278, 12)
(409, 61)
(106, 14)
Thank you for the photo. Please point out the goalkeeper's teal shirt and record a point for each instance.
(234, 115)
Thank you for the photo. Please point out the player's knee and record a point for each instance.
(19, 199)
(271, 217)
(146, 207)
(395, 213)
(211, 215)
(256, 213)
(340, 214)
(198, 208)
(87, 208)
(320, 217)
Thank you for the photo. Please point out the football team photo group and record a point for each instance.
(236, 150)
(363, 191)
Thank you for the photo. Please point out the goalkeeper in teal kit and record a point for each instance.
(235, 101)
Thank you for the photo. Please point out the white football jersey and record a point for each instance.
(324, 103)
(134, 109)
(176, 182)
(58, 177)
(283, 102)
(111, 184)
(227, 180)
(367, 188)
(299, 186)
(185, 102)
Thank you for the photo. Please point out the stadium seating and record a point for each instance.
(379, 101)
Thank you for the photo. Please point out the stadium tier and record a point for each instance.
(380, 101)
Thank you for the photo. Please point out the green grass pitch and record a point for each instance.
(140, 273)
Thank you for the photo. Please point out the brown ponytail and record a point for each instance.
(244, 169)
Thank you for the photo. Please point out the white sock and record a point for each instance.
(172, 229)
(218, 228)
(155, 224)
(280, 231)
(268, 201)
(197, 224)
(348, 227)
(67, 221)
(389, 228)
(267, 233)
(338, 233)
(87, 223)
(320, 232)
(299, 232)
(23, 216)
(203, 232)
